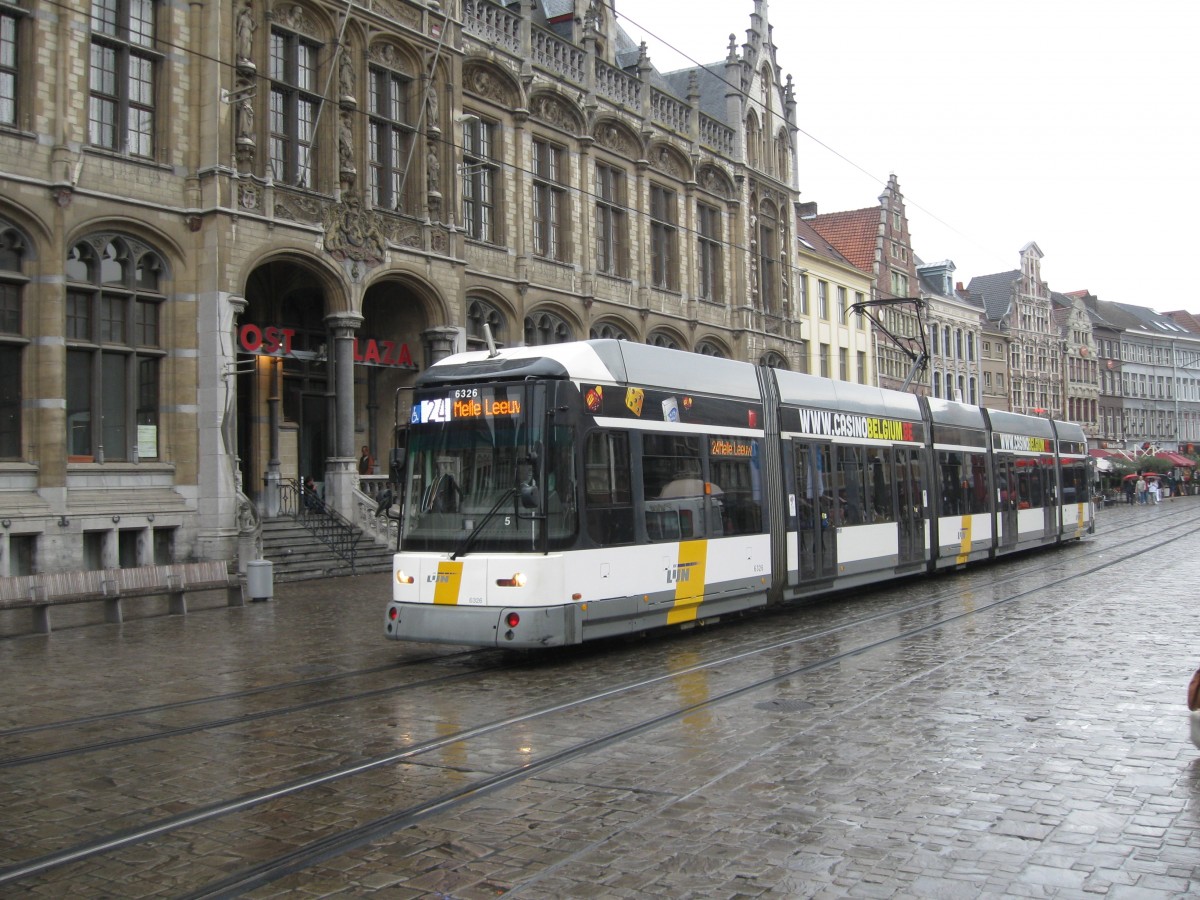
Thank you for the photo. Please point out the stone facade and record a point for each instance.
(232, 241)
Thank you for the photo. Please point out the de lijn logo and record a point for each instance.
(680, 572)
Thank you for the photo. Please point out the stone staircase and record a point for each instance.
(298, 556)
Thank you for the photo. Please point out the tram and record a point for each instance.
(558, 494)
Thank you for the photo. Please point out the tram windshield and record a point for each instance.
(485, 474)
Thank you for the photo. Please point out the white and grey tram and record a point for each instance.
(558, 494)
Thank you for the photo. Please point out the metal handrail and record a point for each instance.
(322, 521)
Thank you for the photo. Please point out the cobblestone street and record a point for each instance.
(1035, 748)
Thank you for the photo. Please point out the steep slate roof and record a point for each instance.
(853, 233)
(1149, 320)
(996, 291)
(710, 81)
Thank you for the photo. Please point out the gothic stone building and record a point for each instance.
(231, 231)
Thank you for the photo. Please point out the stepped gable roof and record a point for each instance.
(853, 233)
(812, 239)
(996, 291)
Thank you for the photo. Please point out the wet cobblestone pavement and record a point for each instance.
(965, 747)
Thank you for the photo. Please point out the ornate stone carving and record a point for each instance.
(403, 233)
(485, 83)
(295, 17)
(248, 196)
(246, 26)
(715, 181)
(553, 111)
(346, 75)
(346, 147)
(354, 233)
(615, 139)
(664, 159)
(388, 56)
(398, 12)
(298, 208)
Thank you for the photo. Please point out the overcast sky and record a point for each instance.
(1070, 123)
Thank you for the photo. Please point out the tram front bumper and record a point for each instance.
(483, 626)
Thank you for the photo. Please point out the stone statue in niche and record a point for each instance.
(246, 26)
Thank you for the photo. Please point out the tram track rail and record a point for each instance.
(8, 762)
(1160, 534)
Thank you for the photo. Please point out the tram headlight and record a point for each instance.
(517, 580)
(512, 620)
(401, 578)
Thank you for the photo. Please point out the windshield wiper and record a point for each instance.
(491, 514)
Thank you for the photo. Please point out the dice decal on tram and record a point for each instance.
(557, 494)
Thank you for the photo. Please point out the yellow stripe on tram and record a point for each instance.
(449, 577)
(964, 548)
(689, 581)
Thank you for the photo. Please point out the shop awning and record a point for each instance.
(1175, 459)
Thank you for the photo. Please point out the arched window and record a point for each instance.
(608, 330)
(480, 313)
(12, 338)
(708, 348)
(773, 360)
(546, 328)
(661, 339)
(114, 349)
(937, 384)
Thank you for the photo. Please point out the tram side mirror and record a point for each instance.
(396, 464)
(528, 492)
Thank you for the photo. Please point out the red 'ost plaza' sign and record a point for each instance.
(275, 341)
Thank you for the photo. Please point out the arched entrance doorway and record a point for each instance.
(286, 400)
(389, 354)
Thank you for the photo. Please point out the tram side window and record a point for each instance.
(952, 493)
(879, 484)
(736, 489)
(1074, 482)
(673, 487)
(851, 496)
(608, 494)
(1029, 485)
(978, 494)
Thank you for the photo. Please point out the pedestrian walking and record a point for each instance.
(1194, 707)
(1141, 490)
(1152, 490)
(1130, 490)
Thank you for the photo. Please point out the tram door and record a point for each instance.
(1050, 498)
(816, 525)
(910, 515)
(1007, 499)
